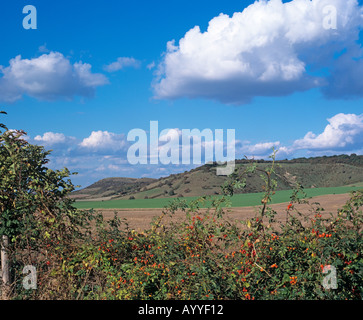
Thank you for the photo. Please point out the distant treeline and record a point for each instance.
(352, 159)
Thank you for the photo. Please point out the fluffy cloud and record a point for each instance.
(121, 63)
(48, 77)
(104, 141)
(260, 148)
(344, 132)
(50, 138)
(269, 49)
(198, 146)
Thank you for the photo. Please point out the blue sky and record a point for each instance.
(271, 70)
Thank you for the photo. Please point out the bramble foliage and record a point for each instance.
(36, 214)
(206, 256)
(78, 255)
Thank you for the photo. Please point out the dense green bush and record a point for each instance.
(38, 224)
(206, 257)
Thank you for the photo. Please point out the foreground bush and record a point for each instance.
(206, 257)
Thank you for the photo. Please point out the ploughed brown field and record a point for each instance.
(140, 219)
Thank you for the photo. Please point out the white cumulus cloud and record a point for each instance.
(271, 48)
(344, 132)
(48, 77)
(104, 141)
(51, 138)
(259, 149)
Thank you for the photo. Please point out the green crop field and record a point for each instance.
(239, 200)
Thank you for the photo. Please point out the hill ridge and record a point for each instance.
(313, 172)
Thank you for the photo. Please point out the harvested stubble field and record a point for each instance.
(140, 219)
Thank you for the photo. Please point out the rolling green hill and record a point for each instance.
(318, 172)
(110, 187)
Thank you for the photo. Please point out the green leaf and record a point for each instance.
(286, 278)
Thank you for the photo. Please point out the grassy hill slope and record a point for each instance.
(318, 172)
(110, 187)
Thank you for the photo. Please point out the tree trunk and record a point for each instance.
(5, 268)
